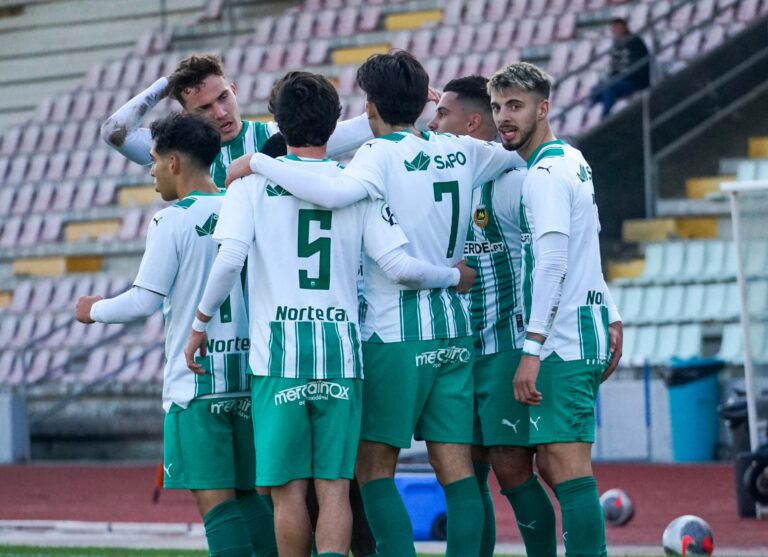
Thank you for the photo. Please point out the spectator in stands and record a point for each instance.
(630, 67)
(208, 432)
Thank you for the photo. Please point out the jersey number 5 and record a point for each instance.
(452, 188)
(320, 246)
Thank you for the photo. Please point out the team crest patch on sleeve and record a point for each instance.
(481, 216)
(387, 214)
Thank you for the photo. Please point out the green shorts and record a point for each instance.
(499, 418)
(567, 410)
(307, 428)
(419, 387)
(209, 445)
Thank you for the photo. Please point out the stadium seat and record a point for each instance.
(10, 233)
(296, 55)
(81, 107)
(24, 331)
(505, 32)
(97, 162)
(49, 139)
(105, 194)
(305, 24)
(421, 42)
(22, 294)
(51, 228)
(695, 301)
(651, 308)
(23, 201)
(131, 367)
(756, 258)
(475, 12)
(283, 29)
(525, 31)
(38, 165)
(369, 19)
(757, 299)
(64, 194)
(30, 139)
(452, 13)
(470, 64)
(84, 194)
(545, 30)
(714, 301)
(318, 52)
(41, 296)
(89, 134)
(645, 345)
(93, 367)
(57, 166)
(672, 308)
(30, 232)
(632, 303)
(325, 24)
(131, 224)
(7, 362)
(4, 165)
(63, 293)
(6, 200)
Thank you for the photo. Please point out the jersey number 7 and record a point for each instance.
(452, 188)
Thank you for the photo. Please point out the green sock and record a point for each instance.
(583, 520)
(267, 499)
(535, 517)
(465, 518)
(482, 470)
(260, 523)
(226, 531)
(388, 519)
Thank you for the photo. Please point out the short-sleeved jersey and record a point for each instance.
(176, 263)
(493, 250)
(428, 183)
(558, 196)
(250, 140)
(302, 268)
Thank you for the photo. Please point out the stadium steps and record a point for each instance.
(57, 265)
(657, 230)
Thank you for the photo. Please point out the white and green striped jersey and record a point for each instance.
(176, 263)
(558, 196)
(302, 268)
(427, 181)
(250, 140)
(493, 250)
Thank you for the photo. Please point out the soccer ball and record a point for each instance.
(688, 535)
(617, 507)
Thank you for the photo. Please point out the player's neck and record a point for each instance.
(187, 183)
(313, 152)
(386, 129)
(540, 137)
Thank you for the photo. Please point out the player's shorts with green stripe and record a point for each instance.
(499, 418)
(567, 411)
(209, 445)
(307, 428)
(422, 388)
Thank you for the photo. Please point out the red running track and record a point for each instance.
(123, 494)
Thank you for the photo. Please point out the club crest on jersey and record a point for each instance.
(421, 162)
(481, 216)
(387, 214)
(208, 226)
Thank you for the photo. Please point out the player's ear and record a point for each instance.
(233, 87)
(474, 123)
(370, 110)
(174, 163)
(543, 110)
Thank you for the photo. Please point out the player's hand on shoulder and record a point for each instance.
(198, 340)
(83, 308)
(466, 276)
(524, 382)
(616, 335)
(239, 168)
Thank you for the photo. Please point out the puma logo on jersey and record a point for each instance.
(507, 423)
(167, 469)
(529, 526)
(535, 423)
(544, 168)
(157, 220)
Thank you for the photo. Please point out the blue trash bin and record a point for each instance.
(425, 502)
(694, 395)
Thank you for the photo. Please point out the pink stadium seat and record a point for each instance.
(100, 285)
(263, 88)
(105, 194)
(544, 31)
(6, 200)
(581, 52)
(64, 193)
(558, 60)
(77, 163)
(18, 169)
(92, 77)
(452, 12)
(465, 39)
(132, 72)
(524, 35)
(245, 84)
(57, 166)
(470, 64)
(254, 58)
(232, 60)
(638, 16)
(7, 363)
(43, 112)
(682, 17)
(121, 97)
(496, 10)
(20, 302)
(24, 331)
(562, 7)
(93, 367)
(5, 163)
(326, 24)
(131, 224)
(30, 139)
(16, 374)
(102, 100)
(68, 137)
(61, 107)
(475, 12)
(51, 228)
(565, 29)
(432, 66)
(536, 8)
(84, 195)
(318, 52)
(305, 24)
(11, 139)
(41, 296)
(97, 162)
(30, 233)
(153, 69)
(449, 70)
(264, 30)
(510, 56)
(690, 48)
(89, 133)
(8, 325)
(747, 10)
(713, 37)
(296, 55)
(116, 164)
(82, 105)
(444, 41)
(661, 8)
(152, 331)
(283, 29)
(38, 165)
(587, 81)
(347, 24)
(112, 73)
(132, 366)
(62, 294)
(274, 58)
(23, 202)
(484, 37)
(401, 40)
(421, 46)
(490, 63)
(43, 198)
(518, 8)
(152, 367)
(83, 286)
(346, 83)
(504, 33)
(49, 139)
(565, 92)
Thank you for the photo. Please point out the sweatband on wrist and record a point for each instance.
(199, 326)
(531, 347)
